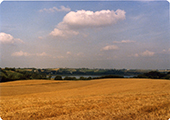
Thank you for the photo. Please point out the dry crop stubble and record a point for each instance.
(94, 99)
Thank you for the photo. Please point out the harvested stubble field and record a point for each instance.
(105, 99)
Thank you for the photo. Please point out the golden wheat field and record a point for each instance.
(104, 99)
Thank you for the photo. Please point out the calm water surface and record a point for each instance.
(86, 76)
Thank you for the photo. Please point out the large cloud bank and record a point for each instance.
(86, 19)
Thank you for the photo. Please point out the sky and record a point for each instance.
(84, 34)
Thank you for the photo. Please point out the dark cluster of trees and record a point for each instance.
(58, 77)
(154, 75)
(11, 74)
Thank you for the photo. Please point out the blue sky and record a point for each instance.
(110, 34)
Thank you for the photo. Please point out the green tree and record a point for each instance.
(82, 78)
(49, 77)
(70, 78)
(58, 77)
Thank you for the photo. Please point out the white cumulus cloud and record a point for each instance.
(110, 47)
(81, 19)
(147, 53)
(124, 41)
(26, 54)
(62, 8)
(165, 51)
(42, 54)
(68, 53)
(134, 55)
(20, 53)
(63, 33)
(9, 39)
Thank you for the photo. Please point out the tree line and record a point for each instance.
(12, 74)
(59, 77)
(154, 75)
